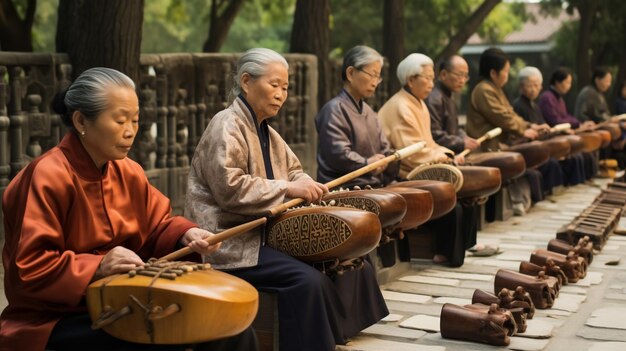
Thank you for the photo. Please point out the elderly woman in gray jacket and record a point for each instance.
(241, 169)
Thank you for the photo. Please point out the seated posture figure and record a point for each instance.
(349, 133)
(444, 117)
(489, 107)
(241, 169)
(81, 212)
(404, 117)
(591, 104)
(525, 105)
(554, 111)
(405, 120)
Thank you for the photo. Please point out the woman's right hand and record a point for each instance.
(118, 260)
(306, 189)
(377, 157)
(531, 134)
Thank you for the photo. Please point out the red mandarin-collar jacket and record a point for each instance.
(61, 215)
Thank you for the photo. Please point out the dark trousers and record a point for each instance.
(455, 232)
(315, 311)
(74, 333)
(573, 169)
(591, 164)
(552, 175)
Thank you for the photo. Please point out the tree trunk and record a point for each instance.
(586, 11)
(393, 38)
(467, 29)
(15, 33)
(310, 34)
(101, 33)
(220, 23)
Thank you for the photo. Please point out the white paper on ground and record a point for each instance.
(422, 322)
(405, 297)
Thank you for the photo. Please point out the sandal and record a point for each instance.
(484, 250)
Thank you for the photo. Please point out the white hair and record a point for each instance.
(254, 62)
(412, 65)
(527, 72)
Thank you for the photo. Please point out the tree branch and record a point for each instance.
(468, 28)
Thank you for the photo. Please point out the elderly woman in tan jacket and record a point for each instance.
(489, 107)
(405, 118)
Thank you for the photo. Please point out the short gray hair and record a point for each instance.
(88, 93)
(412, 65)
(254, 62)
(527, 72)
(359, 57)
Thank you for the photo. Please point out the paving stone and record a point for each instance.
(608, 346)
(501, 263)
(604, 334)
(407, 308)
(456, 275)
(404, 297)
(537, 329)
(430, 280)
(608, 317)
(591, 278)
(431, 290)
(453, 300)
(505, 246)
(614, 296)
(526, 344)
(387, 330)
(514, 256)
(569, 289)
(368, 343)
(611, 247)
(392, 317)
(568, 302)
(473, 284)
(422, 322)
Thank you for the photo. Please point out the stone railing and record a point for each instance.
(179, 93)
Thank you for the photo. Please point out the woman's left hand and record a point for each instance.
(194, 239)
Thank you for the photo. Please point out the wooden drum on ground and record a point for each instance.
(510, 164)
(443, 193)
(535, 153)
(318, 234)
(172, 303)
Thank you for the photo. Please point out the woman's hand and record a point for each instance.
(531, 134)
(459, 159)
(306, 189)
(194, 239)
(375, 158)
(118, 260)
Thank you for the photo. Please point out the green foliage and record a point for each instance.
(272, 31)
(429, 23)
(175, 25)
(44, 25)
(183, 25)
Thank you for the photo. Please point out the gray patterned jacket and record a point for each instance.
(227, 184)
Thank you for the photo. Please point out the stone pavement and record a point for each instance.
(599, 300)
(416, 297)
